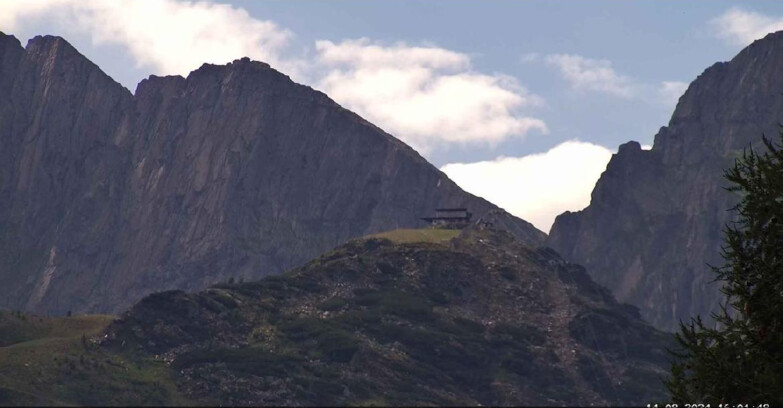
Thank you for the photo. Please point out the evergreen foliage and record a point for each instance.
(741, 360)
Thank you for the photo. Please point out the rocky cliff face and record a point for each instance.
(480, 320)
(655, 218)
(106, 196)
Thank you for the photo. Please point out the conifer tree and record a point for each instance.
(741, 359)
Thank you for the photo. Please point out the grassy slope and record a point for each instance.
(54, 361)
(18, 328)
(409, 236)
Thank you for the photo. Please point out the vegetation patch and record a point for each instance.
(595, 374)
(64, 367)
(251, 360)
(17, 327)
(388, 269)
(332, 304)
(519, 335)
(322, 336)
(399, 303)
(410, 236)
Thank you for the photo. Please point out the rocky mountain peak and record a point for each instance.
(54, 55)
(655, 218)
(234, 170)
(10, 53)
(629, 147)
(170, 86)
(9, 41)
(48, 43)
(243, 69)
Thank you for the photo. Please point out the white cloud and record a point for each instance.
(536, 187)
(13, 12)
(670, 91)
(530, 57)
(591, 74)
(363, 53)
(741, 27)
(166, 36)
(426, 96)
(598, 75)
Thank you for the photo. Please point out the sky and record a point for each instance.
(522, 103)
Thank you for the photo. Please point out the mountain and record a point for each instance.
(234, 171)
(408, 317)
(655, 218)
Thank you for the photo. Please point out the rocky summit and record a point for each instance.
(405, 318)
(235, 171)
(655, 219)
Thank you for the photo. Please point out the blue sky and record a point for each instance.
(521, 102)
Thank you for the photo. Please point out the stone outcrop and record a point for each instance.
(234, 171)
(656, 217)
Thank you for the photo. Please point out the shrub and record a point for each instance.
(399, 303)
(331, 304)
(337, 345)
(388, 269)
(519, 335)
(248, 359)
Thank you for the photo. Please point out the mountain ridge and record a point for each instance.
(234, 170)
(655, 219)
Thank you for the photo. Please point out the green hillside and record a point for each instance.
(409, 236)
(395, 319)
(58, 361)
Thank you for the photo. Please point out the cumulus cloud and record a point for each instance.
(530, 57)
(670, 91)
(166, 36)
(536, 187)
(741, 27)
(598, 75)
(591, 74)
(427, 96)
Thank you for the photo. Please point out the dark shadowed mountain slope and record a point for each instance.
(235, 171)
(481, 319)
(656, 216)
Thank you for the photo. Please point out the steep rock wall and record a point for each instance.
(655, 219)
(234, 171)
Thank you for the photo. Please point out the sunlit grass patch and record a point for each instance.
(408, 236)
